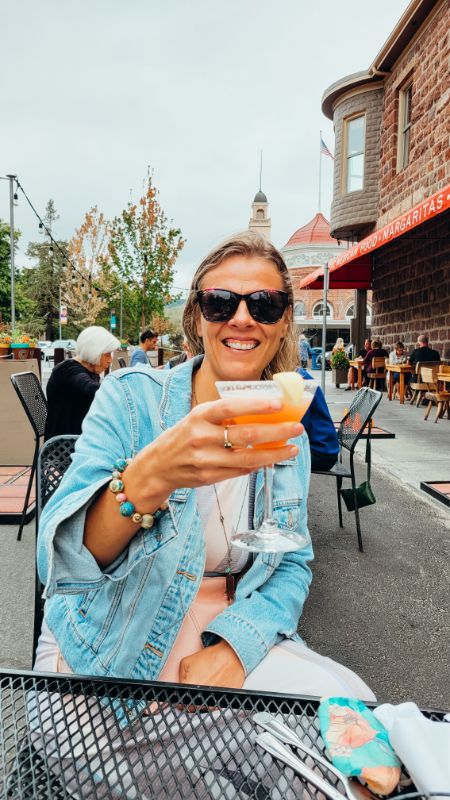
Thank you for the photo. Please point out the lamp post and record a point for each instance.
(11, 179)
(324, 320)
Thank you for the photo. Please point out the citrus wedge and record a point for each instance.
(292, 386)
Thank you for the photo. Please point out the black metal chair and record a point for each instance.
(53, 460)
(351, 428)
(30, 394)
(122, 362)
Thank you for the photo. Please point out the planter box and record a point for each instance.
(339, 376)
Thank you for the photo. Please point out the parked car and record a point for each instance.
(49, 351)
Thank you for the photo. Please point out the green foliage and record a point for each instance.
(339, 360)
(144, 249)
(22, 304)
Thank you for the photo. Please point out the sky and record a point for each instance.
(94, 93)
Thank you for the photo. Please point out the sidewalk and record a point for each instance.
(420, 451)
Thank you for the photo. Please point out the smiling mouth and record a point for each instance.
(233, 344)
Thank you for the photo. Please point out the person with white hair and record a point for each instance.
(74, 382)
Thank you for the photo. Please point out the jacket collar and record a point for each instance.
(176, 400)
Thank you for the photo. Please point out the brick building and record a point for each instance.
(391, 195)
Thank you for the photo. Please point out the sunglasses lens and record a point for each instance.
(267, 307)
(217, 305)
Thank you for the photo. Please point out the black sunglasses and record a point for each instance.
(220, 305)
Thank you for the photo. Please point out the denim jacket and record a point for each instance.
(123, 620)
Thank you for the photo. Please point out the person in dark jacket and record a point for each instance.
(323, 441)
(377, 351)
(73, 383)
(423, 352)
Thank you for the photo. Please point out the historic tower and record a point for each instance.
(259, 221)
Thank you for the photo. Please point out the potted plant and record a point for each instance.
(21, 344)
(5, 342)
(339, 367)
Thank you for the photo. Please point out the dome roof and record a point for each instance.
(260, 197)
(317, 231)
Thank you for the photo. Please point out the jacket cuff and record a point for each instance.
(241, 635)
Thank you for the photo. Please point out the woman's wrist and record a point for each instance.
(144, 487)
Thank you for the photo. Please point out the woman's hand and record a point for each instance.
(217, 665)
(192, 452)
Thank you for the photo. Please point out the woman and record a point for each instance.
(74, 382)
(398, 356)
(339, 347)
(133, 596)
(351, 375)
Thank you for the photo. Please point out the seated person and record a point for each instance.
(317, 422)
(352, 373)
(377, 351)
(423, 352)
(73, 383)
(148, 341)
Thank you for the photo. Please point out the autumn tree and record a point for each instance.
(89, 280)
(144, 248)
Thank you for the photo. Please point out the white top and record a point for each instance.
(233, 500)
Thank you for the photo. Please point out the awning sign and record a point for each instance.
(426, 210)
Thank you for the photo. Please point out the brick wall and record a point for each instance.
(356, 212)
(427, 61)
(411, 287)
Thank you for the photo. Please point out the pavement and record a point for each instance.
(384, 612)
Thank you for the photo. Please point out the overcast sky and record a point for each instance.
(94, 92)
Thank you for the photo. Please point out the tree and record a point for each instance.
(23, 307)
(144, 249)
(44, 280)
(89, 281)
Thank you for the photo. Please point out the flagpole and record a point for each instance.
(320, 170)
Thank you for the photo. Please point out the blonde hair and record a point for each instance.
(246, 244)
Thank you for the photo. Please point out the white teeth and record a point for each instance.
(241, 345)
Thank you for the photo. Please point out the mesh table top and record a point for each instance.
(74, 737)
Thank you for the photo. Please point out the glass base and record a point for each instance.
(269, 539)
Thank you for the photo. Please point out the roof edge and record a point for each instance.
(406, 28)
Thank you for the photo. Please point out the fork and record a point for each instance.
(353, 790)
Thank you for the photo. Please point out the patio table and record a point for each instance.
(357, 363)
(60, 738)
(402, 369)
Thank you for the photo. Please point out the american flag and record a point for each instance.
(324, 149)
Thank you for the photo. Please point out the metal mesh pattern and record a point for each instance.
(361, 410)
(32, 397)
(54, 459)
(60, 738)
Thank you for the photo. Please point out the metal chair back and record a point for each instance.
(122, 362)
(360, 412)
(53, 461)
(30, 394)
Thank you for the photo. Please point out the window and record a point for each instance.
(350, 313)
(299, 309)
(318, 310)
(368, 315)
(260, 213)
(354, 153)
(404, 127)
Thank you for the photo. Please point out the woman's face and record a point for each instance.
(105, 362)
(241, 348)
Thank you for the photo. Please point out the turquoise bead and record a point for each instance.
(127, 509)
(120, 464)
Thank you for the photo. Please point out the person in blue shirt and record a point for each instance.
(149, 341)
(304, 350)
(323, 441)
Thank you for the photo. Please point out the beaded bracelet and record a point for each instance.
(127, 509)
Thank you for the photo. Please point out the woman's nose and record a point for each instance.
(242, 315)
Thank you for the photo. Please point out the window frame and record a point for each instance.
(346, 157)
(320, 316)
(404, 126)
(299, 316)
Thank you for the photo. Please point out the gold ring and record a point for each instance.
(226, 441)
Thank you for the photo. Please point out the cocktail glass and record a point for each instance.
(268, 538)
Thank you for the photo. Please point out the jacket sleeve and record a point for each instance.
(254, 623)
(65, 565)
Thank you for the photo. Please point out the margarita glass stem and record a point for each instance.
(268, 525)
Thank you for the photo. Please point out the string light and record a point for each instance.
(53, 243)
